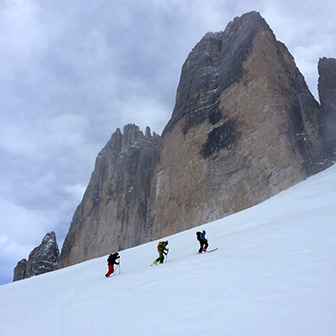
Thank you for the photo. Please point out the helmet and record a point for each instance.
(166, 241)
(204, 232)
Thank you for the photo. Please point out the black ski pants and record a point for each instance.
(203, 244)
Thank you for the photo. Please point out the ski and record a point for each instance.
(213, 250)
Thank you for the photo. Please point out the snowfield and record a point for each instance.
(273, 274)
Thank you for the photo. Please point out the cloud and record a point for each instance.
(75, 191)
(22, 223)
(307, 33)
(22, 40)
(21, 230)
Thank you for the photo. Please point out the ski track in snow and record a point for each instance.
(273, 274)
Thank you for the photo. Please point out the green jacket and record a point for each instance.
(162, 247)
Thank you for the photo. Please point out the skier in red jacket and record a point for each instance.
(111, 261)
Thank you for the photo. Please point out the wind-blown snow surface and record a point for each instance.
(273, 274)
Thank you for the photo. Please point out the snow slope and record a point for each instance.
(273, 274)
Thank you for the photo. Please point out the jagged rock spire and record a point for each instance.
(112, 214)
(214, 64)
(44, 258)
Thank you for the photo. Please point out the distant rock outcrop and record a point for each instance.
(244, 128)
(20, 270)
(112, 214)
(44, 258)
(327, 93)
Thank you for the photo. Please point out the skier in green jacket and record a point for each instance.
(162, 249)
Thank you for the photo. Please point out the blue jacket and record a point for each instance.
(200, 236)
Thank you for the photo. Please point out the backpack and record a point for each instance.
(160, 246)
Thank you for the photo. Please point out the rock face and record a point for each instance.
(327, 93)
(112, 214)
(44, 258)
(20, 270)
(244, 128)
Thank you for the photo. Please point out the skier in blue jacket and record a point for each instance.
(202, 240)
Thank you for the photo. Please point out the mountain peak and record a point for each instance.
(250, 20)
(213, 65)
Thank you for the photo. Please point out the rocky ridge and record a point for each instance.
(44, 258)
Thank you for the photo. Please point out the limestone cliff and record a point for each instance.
(244, 128)
(327, 93)
(112, 214)
(44, 258)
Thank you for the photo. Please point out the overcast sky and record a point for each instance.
(73, 71)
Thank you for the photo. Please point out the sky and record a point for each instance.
(72, 72)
